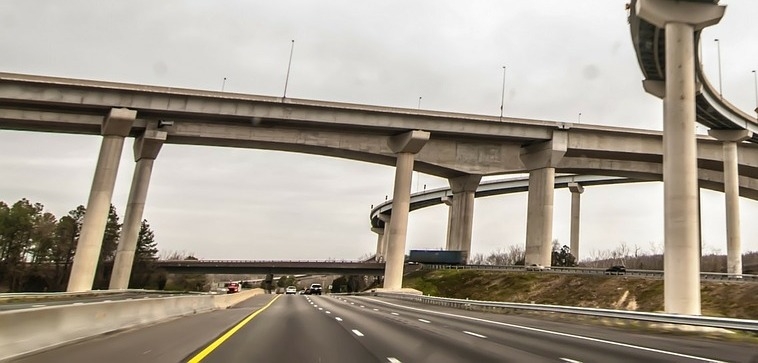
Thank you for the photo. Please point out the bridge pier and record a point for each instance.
(680, 184)
(405, 146)
(449, 242)
(115, 128)
(541, 159)
(146, 149)
(461, 218)
(576, 195)
(387, 219)
(730, 138)
(379, 256)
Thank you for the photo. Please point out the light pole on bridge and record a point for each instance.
(718, 50)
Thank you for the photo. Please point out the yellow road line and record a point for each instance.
(200, 356)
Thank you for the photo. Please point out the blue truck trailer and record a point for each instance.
(438, 257)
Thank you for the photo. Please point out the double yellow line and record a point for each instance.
(209, 349)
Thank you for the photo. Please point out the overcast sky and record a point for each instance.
(563, 58)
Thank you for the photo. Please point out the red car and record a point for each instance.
(232, 287)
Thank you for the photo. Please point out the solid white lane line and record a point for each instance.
(474, 334)
(567, 360)
(357, 332)
(79, 303)
(396, 314)
(338, 318)
(425, 321)
(393, 360)
(596, 340)
(38, 305)
(106, 301)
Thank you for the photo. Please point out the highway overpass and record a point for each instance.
(274, 267)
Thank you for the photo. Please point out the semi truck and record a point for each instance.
(438, 257)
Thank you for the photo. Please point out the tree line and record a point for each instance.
(37, 249)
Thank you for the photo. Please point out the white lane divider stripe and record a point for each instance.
(474, 334)
(338, 318)
(321, 308)
(38, 305)
(357, 332)
(425, 321)
(568, 360)
(550, 332)
(362, 306)
(375, 309)
(393, 313)
(328, 312)
(393, 360)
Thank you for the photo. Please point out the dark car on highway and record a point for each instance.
(615, 270)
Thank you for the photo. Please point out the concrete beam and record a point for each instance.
(461, 218)
(409, 142)
(576, 195)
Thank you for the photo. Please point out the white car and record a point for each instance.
(536, 267)
(291, 290)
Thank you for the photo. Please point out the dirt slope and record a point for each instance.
(732, 299)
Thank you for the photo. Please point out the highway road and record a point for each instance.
(301, 328)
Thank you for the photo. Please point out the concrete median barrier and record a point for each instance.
(29, 330)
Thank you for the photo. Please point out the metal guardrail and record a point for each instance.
(261, 261)
(696, 320)
(593, 271)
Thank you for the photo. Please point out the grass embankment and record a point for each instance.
(730, 299)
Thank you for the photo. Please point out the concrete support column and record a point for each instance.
(462, 211)
(449, 243)
(680, 186)
(379, 248)
(576, 195)
(405, 146)
(680, 19)
(730, 138)
(146, 149)
(116, 126)
(387, 219)
(541, 159)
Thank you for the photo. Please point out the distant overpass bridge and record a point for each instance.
(275, 267)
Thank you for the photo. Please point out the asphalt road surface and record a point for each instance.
(302, 328)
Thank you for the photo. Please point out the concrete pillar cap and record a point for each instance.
(148, 145)
(730, 135)
(697, 14)
(409, 142)
(545, 154)
(118, 122)
(576, 187)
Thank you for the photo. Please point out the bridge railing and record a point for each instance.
(663, 318)
(261, 261)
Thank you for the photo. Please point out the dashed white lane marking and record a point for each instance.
(352, 303)
(375, 309)
(425, 321)
(38, 305)
(321, 308)
(474, 334)
(396, 314)
(580, 337)
(328, 312)
(567, 360)
(393, 360)
(338, 318)
(362, 306)
(357, 332)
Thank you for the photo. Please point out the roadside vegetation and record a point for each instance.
(729, 299)
(37, 251)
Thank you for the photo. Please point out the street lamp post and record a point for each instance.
(755, 82)
(718, 50)
(419, 102)
(579, 118)
(289, 65)
(502, 96)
